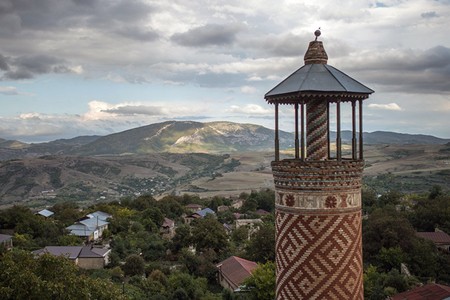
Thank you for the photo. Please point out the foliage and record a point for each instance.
(261, 285)
(48, 277)
(134, 265)
(208, 233)
(261, 247)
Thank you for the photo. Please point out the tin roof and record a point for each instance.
(318, 78)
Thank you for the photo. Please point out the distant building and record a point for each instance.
(222, 208)
(45, 213)
(86, 257)
(193, 207)
(6, 241)
(92, 227)
(251, 224)
(262, 212)
(237, 204)
(99, 215)
(168, 228)
(233, 271)
(438, 237)
(199, 215)
(431, 291)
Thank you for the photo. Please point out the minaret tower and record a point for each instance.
(318, 192)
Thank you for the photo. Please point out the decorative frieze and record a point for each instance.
(328, 200)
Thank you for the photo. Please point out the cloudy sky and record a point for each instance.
(84, 67)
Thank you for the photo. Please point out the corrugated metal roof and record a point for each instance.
(318, 78)
(46, 213)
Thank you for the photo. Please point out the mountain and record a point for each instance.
(187, 137)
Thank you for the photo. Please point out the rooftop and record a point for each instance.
(235, 270)
(431, 291)
(438, 237)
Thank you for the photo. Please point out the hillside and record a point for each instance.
(189, 137)
(48, 179)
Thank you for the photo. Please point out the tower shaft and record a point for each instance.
(318, 226)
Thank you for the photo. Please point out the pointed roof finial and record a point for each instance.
(317, 33)
(316, 53)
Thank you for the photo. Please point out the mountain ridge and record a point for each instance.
(189, 137)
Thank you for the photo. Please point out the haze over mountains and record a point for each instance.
(187, 137)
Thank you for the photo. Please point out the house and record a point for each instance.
(45, 213)
(237, 204)
(193, 207)
(262, 212)
(168, 228)
(426, 292)
(438, 237)
(99, 215)
(233, 271)
(91, 228)
(199, 215)
(86, 257)
(6, 241)
(222, 208)
(251, 224)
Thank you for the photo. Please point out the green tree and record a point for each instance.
(208, 233)
(134, 265)
(261, 247)
(24, 276)
(261, 285)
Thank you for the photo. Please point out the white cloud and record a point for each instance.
(249, 89)
(8, 90)
(249, 109)
(389, 106)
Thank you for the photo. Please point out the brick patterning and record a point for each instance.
(318, 228)
(317, 127)
(319, 256)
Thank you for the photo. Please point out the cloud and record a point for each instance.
(130, 110)
(389, 106)
(429, 14)
(406, 70)
(249, 89)
(208, 35)
(8, 90)
(249, 109)
(26, 67)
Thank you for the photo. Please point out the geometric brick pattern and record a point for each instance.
(318, 229)
(317, 175)
(317, 129)
(319, 256)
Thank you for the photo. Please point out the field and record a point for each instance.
(407, 168)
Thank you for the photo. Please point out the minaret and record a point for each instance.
(318, 193)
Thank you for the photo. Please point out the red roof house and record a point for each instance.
(439, 238)
(234, 270)
(431, 291)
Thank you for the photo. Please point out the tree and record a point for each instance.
(134, 265)
(46, 277)
(208, 233)
(182, 238)
(261, 247)
(261, 285)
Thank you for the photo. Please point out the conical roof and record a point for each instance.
(317, 79)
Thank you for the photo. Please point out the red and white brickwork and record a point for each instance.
(318, 226)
